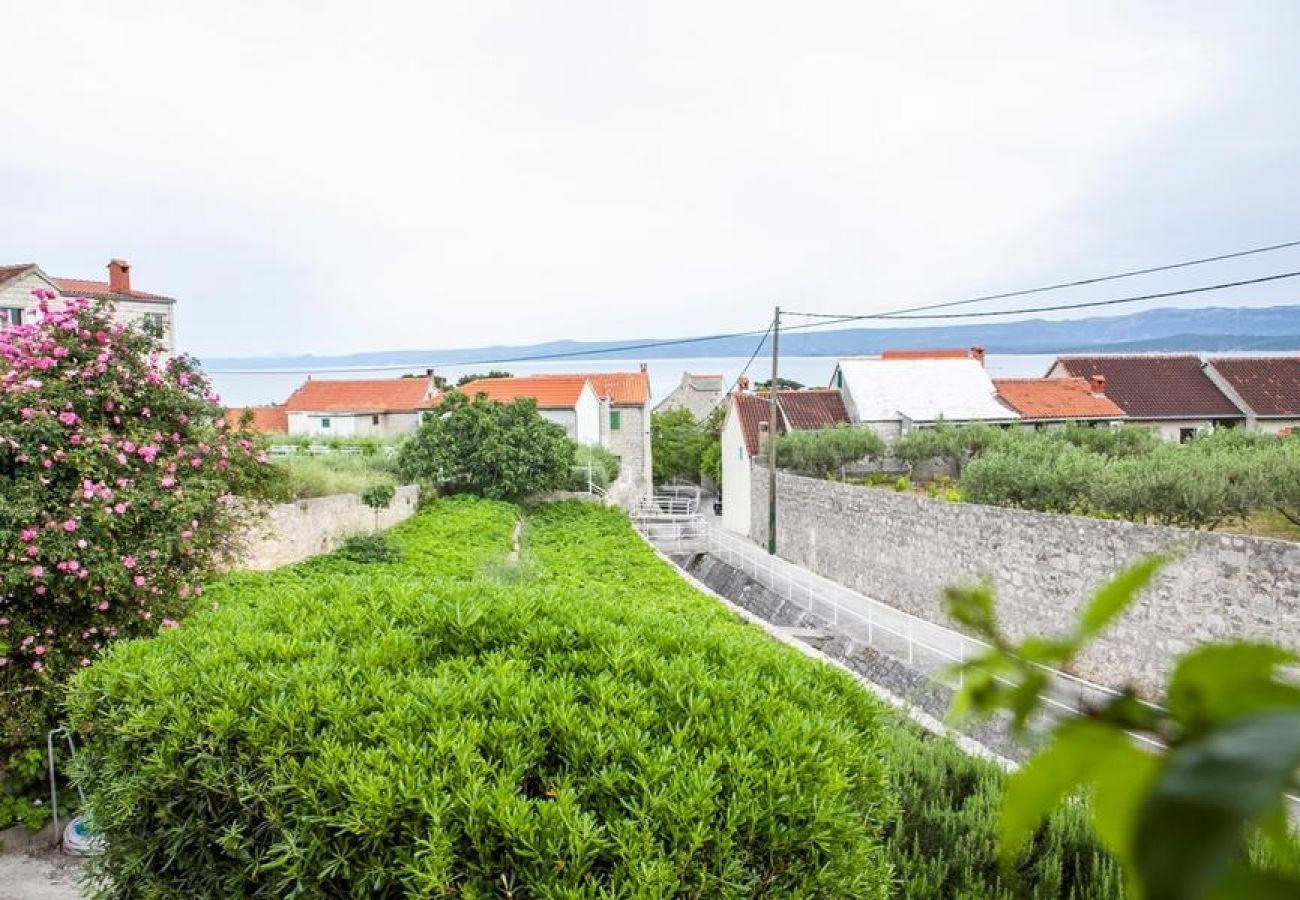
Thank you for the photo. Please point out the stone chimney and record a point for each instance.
(644, 368)
(977, 353)
(119, 276)
(1098, 384)
(742, 384)
(764, 439)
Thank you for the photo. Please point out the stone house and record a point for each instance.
(699, 394)
(1171, 392)
(744, 433)
(906, 389)
(131, 306)
(1056, 402)
(1265, 388)
(569, 401)
(380, 407)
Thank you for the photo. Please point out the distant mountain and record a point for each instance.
(1211, 328)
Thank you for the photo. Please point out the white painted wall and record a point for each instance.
(737, 474)
(587, 426)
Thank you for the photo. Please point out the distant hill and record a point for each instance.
(1212, 328)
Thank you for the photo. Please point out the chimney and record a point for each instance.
(764, 439)
(644, 368)
(1098, 384)
(119, 276)
(742, 383)
(977, 353)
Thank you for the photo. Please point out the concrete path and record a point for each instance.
(48, 875)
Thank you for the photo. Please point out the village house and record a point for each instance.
(1170, 392)
(261, 419)
(1056, 402)
(569, 401)
(901, 390)
(1265, 388)
(382, 408)
(130, 306)
(698, 394)
(745, 431)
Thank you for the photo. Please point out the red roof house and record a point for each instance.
(1058, 399)
(1267, 388)
(373, 407)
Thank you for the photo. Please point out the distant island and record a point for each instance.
(1273, 328)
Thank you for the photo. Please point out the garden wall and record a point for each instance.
(904, 549)
(292, 532)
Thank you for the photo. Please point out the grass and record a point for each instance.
(323, 476)
(1266, 523)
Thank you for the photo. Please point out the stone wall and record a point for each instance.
(292, 532)
(903, 550)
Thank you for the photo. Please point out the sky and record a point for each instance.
(327, 177)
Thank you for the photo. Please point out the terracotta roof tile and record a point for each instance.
(265, 419)
(1056, 398)
(10, 272)
(1269, 385)
(550, 391)
(937, 353)
(799, 411)
(623, 388)
(363, 395)
(1155, 386)
(80, 287)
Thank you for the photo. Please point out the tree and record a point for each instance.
(677, 444)
(116, 476)
(711, 454)
(1182, 810)
(823, 451)
(475, 376)
(504, 451)
(782, 384)
(954, 444)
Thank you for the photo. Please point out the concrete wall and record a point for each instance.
(904, 550)
(292, 532)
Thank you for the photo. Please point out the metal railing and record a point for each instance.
(922, 645)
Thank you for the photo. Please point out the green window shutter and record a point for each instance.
(615, 420)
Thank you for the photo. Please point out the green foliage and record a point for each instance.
(370, 548)
(596, 461)
(1049, 475)
(902, 483)
(944, 839)
(1180, 818)
(369, 446)
(378, 496)
(677, 444)
(782, 384)
(502, 451)
(336, 473)
(115, 473)
(955, 445)
(824, 451)
(600, 729)
(711, 455)
(475, 376)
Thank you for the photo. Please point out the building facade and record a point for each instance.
(379, 408)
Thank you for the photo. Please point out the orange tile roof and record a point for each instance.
(363, 395)
(622, 388)
(937, 353)
(265, 420)
(550, 391)
(80, 287)
(1056, 398)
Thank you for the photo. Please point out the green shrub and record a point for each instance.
(324, 476)
(677, 444)
(599, 730)
(370, 548)
(1048, 475)
(944, 839)
(955, 445)
(820, 452)
(1125, 441)
(595, 461)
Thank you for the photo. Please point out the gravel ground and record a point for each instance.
(39, 875)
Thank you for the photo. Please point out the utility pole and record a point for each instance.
(773, 412)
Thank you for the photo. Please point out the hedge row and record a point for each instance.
(410, 729)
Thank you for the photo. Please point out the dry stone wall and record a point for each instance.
(904, 549)
(292, 532)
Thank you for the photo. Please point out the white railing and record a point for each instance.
(922, 645)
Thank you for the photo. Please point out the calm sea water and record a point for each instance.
(665, 374)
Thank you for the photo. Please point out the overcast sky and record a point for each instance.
(326, 177)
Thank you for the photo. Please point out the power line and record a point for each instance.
(1080, 282)
(1057, 308)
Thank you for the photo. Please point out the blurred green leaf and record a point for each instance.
(1193, 824)
(1114, 596)
(1221, 681)
(972, 606)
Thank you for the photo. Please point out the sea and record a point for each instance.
(266, 386)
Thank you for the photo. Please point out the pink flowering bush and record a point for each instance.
(117, 486)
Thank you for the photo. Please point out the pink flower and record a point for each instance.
(68, 418)
(148, 453)
(32, 550)
(39, 649)
(38, 571)
(29, 534)
(103, 606)
(70, 525)
(119, 508)
(84, 662)
(139, 580)
(128, 561)
(169, 623)
(168, 482)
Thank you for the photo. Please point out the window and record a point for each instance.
(374, 420)
(154, 324)
(1185, 435)
(11, 315)
(615, 420)
(324, 423)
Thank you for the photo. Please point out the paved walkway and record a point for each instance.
(46, 876)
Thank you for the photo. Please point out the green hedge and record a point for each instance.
(596, 729)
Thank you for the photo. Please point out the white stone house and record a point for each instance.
(567, 400)
(699, 394)
(744, 434)
(131, 306)
(894, 394)
(379, 408)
